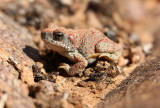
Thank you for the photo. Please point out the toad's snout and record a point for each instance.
(45, 35)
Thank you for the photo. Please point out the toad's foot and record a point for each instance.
(64, 66)
(111, 57)
(77, 68)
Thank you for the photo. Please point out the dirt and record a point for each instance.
(29, 74)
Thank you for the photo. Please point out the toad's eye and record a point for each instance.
(58, 35)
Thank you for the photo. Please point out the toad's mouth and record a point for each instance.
(58, 46)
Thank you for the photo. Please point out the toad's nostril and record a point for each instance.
(46, 35)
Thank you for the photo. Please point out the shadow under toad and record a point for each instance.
(50, 60)
(32, 53)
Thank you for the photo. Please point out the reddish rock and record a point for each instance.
(137, 55)
(13, 92)
(17, 49)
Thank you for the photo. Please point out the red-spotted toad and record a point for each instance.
(81, 46)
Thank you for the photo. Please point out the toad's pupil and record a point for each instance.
(58, 35)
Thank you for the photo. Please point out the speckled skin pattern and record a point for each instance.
(81, 46)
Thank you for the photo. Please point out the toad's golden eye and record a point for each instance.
(58, 35)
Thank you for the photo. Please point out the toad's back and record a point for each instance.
(85, 40)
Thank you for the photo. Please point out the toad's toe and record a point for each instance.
(96, 55)
(64, 66)
(108, 56)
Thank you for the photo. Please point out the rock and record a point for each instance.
(137, 54)
(93, 20)
(122, 61)
(67, 2)
(136, 10)
(47, 96)
(146, 37)
(111, 34)
(147, 48)
(14, 92)
(134, 38)
(17, 49)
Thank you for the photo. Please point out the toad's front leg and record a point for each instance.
(78, 67)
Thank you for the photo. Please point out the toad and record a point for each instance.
(81, 46)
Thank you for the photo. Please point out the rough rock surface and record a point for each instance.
(13, 93)
(16, 48)
(15, 64)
